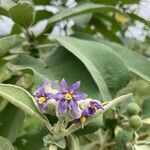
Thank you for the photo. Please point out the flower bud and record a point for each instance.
(133, 109)
(135, 122)
(51, 107)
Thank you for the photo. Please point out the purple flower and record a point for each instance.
(83, 118)
(93, 106)
(42, 96)
(68, 96)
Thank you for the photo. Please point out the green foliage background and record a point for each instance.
(94, 50)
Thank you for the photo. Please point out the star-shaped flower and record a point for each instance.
(68, 96)
(42, 96)
(93, 106)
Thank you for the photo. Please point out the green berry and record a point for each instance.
(133, 109)
(135, 122)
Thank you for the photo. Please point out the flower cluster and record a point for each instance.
(92, 106)
(67, 98)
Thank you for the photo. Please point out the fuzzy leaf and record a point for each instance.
(22, 14)
(5, 144)
(21, 99)
(98, 60)
(11, 120)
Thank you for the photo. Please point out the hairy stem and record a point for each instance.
(52, 147)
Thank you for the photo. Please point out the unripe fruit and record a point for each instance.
(135, 122)
(133, 109)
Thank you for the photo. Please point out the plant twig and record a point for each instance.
(52, 147)
(114, 102)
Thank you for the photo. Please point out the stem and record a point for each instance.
(45, 46)
(52, 147)
(29, 34)
(103, 136)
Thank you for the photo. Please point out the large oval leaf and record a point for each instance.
(72, 69)
(135, 62)
(22, 99)
(68, 67)
(22, 14)
(28, 142)
(105, 67)
(81, 9)
(11, 120)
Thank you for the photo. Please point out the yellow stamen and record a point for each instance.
(83, 119)
(68, 96)
(92, 106)
(42, 100)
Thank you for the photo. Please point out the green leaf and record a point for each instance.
(26, 62)
(11, 120)
(28, 142)
(8, 43)
(82, 20)
(49, 139)
(3, 11)
(22, 14)
(116, 1)
(102, 28)
(7, 4)
(92, 127)
(81, 9)
(73, 142)
(98, 59)
(135, 62)
(54, 71)
(145, 108)
(16, 29)
(72, 69)
(41, 2)
(41, 15)
(5, 144)
(21, 99)
(135, 17)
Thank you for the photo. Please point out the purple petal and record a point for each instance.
(91, 111)
(58, 96)
(64, 86)
(98, 105)
(42, 107)
(74, 108)
(84, 113)
(62, 106)
(49, 96)
(75, 87)
(80, 96)
(40, 91)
